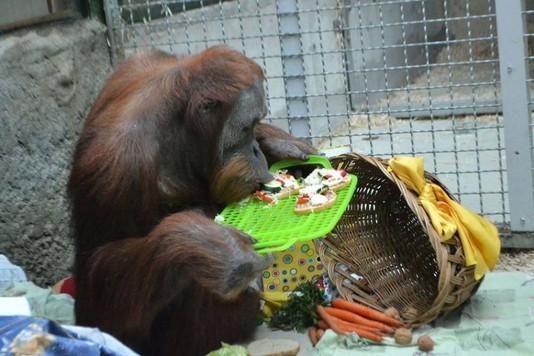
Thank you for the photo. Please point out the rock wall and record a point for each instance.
(49, 77)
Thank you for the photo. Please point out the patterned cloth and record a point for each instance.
(21, 335)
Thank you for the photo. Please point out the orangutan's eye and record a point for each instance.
(209, 106)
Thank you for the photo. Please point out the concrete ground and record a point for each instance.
(517, 260)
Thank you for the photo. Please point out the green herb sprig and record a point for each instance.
(300, 311)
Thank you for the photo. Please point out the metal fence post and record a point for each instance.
(293, 67)
(111, 19)
(515, 102)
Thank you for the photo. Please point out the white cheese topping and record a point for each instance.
(310, 190)
(313, 178)
(289, 180)
(318, 199)
(318, 177)
(290, 183)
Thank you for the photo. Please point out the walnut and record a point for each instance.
(393, 313)
(403, 336)
(409, 313)
(425, 343)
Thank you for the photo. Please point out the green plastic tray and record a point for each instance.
(276, 228)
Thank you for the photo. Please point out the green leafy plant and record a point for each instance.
(300, 311)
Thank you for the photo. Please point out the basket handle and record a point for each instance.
(268, 249)
(312, 159)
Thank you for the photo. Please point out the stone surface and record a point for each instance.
(49, 77)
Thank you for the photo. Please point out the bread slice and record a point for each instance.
(286, 192)
(341, 185)
(285, 183)
(301, 209)
(332, 178)
(273, 347)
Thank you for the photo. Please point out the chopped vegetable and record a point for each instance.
(323, 189)
(273, 186)
(303, 199)
(262, 196)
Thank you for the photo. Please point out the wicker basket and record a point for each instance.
(384, 251)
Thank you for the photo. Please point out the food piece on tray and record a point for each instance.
(282, 186)
(318, 193)
(332, 178)
(315, 198)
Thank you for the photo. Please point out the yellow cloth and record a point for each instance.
(479, 237)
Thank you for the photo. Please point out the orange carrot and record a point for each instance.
(367, 312)
(346, 315)
(346, 325)
(320, 333)
(329, 321)
(312, 333)
(363, 327)
(341, 329)
(363, 333)
(374, 331)
(323, 325)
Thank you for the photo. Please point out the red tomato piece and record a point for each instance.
(303, 199)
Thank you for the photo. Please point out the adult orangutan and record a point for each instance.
(168, 142)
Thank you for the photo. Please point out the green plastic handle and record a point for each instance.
(270, 243)
(312, 159)
(283, 247)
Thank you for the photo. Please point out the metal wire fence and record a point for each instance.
(410, 77)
